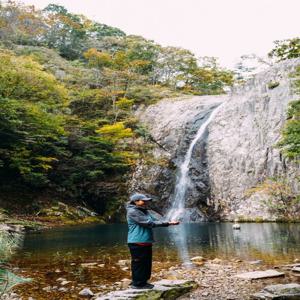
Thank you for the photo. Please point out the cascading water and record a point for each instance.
(177, 209)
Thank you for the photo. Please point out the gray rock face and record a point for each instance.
(237, 153)
(242, 142)
(173, 124)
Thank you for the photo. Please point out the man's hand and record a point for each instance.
(174, 222)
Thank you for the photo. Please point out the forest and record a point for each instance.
(69, 90)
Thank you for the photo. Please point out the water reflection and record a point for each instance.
(253, 241)
(201, 239)
(179, 235)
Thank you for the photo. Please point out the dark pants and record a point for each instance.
(141, 263)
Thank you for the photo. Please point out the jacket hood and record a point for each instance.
(130, 205)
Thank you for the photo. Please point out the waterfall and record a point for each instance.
(177, 209)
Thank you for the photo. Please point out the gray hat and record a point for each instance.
(137, 196)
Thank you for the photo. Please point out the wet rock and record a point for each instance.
(260, 274)
(279, 291)
(86, 292)
(163, 289)
(63, 289)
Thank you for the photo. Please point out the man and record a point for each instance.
(140, 239)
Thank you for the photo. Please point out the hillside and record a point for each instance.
(68, 95)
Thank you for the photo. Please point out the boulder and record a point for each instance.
(163, 289)
(280, 292)
(260, 274)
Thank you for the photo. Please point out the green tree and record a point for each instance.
(30, 141)
(30, 133)
(290, 139)
(286, 49)
(99, 31)
(66, 32)
(22, 78)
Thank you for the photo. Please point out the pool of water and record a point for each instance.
(273, 239)
(60, 252)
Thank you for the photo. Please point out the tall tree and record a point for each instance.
(66, 32)
(286, 49)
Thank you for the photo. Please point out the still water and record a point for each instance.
(273, 239)
(60, 252)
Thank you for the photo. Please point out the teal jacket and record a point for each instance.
(140, 224)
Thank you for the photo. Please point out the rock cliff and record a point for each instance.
(173, 123)
(241, 146)
(237, 153)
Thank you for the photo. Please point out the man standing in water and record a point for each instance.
(140, 239)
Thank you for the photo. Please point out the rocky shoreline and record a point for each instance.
(212, 279)
(54, 216)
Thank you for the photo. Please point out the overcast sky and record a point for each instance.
(223, 28)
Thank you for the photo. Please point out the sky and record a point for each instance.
(225, 29)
